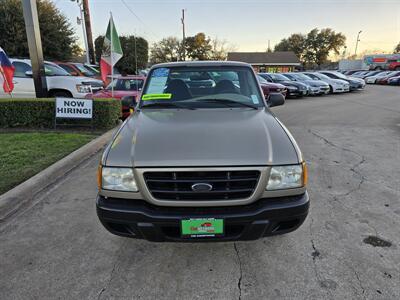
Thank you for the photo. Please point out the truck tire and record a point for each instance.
(64, 94)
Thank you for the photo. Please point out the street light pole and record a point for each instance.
(358, 39)
(183, 34)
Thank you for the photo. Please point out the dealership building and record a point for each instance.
(271, 62)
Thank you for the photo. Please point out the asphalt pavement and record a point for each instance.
(348, 248)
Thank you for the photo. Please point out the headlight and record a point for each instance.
(83, 88)
(118, 179)
(287, 177)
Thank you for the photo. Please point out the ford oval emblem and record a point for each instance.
(201, 187)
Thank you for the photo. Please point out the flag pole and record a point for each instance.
(111, 54)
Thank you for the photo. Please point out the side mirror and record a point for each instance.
(129, 101)
(28, 73)
(275, 99)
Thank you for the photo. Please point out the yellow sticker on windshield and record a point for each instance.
(149, 97)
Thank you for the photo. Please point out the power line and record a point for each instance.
(139, 19)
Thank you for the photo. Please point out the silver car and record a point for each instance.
(316, 87)
(335, 85)
(201, 161)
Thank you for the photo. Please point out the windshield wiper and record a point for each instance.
(227, 101)
(166, 104)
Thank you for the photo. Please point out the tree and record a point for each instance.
(397, 49)
(198, 47)
(127, 63)
(167, 50)
(295, 43)
(319, 43)
(58, 36)
(219, 49)
(314, 47)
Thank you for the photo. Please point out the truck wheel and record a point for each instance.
(64, 94)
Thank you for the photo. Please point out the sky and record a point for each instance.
(247, 25)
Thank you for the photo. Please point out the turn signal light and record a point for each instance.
(99, 170)
(305, 173)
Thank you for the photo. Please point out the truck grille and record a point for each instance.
(178, 185)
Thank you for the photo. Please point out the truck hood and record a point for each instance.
(74, 80)
(202, 137)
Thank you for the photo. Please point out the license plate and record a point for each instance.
(202, 227)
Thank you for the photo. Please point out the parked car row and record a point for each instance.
(59, 82)
(299, 84)
(379, 77)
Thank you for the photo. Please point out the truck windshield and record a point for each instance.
(202, 87)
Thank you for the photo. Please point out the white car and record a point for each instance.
(372, 79)
(59, 82)
(335, 85)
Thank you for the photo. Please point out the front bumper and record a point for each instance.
(341, 88)
(295, 93)
(324, 90)
(265, 217)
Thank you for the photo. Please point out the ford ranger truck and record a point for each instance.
(202, 160)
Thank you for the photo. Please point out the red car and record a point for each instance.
(268, 87)
(123, 86)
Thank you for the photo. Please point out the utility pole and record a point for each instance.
(358, 39)
(35, 47)
(81, 21)
(183, 34)
(344, 52)
(88, 27)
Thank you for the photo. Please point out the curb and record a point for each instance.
(11, 201)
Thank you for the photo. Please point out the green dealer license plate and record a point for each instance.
(204, 227)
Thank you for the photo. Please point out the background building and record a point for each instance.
(268, 61)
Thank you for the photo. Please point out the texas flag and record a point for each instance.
(112, 51)
(6, 72)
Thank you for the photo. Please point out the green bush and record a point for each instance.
(39, 113)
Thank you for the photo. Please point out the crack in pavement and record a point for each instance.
(112, 271)
(313, 246)
(314, 255)
(239, 284)
(353, 168)
(359, 282)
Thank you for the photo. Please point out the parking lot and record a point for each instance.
(348, 248)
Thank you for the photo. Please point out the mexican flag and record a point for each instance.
(112, 51)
